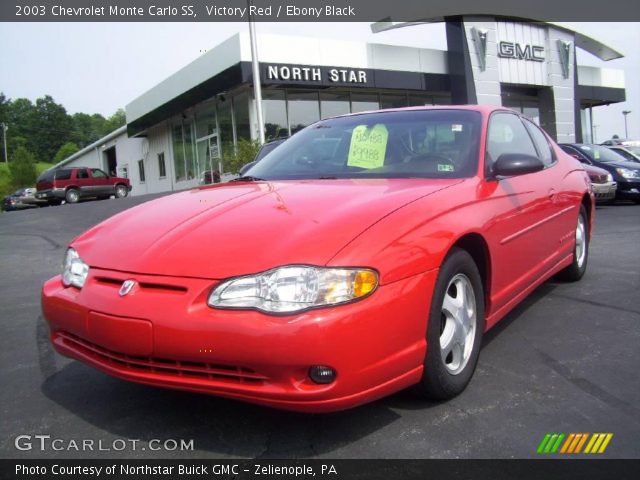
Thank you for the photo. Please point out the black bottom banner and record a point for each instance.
(330, 469)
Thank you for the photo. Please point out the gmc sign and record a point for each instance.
(521, 52)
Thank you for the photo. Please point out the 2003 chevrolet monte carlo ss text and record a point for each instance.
(366, 254)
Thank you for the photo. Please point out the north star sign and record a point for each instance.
(518, 51)
(299, 73)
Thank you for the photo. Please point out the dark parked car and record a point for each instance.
(631, 154)
(72, 184)
(21, 199)
(264, 150)
(626, 174)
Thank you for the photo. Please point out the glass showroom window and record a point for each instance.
(274, 109)
(333, 104)
(178, 153)
(225, 125)
(362, 102)
(241, 116)
(304, 109)
(393, 101)
(184, 154)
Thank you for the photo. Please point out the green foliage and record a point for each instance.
(6, 187)
(65, 151)
(45, 126)
(23, 168)
(244, 153)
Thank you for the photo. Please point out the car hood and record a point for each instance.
(233, 229)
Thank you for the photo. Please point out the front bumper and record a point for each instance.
(604, 191)
(628, 190)
(164, 334)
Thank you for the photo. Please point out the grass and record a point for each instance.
(5, 177)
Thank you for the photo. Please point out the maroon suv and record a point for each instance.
(72, 184)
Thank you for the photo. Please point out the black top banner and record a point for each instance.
(311, 10)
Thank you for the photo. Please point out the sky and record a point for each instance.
(100, 67)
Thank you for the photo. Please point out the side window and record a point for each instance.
(545, 153)
(97, 173)
(575, 154)
(82, 173)
(141, 171)
(63, 175)
(162, 168)
(507, 135)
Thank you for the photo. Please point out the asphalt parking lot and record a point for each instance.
(566, 360)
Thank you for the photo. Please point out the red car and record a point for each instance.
(326, 280)
(73, 183)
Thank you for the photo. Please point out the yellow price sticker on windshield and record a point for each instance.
(368, 146)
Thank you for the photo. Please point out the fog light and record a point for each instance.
(321, 374)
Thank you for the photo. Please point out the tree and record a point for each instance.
(245, 152)
(115, 121)
(65, 151)
(22, 168)
(52, 126)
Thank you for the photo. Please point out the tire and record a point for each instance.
(72, 196)
(447, 374)
(575, 271)
(121, 191)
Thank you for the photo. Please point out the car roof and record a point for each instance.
(485, 109)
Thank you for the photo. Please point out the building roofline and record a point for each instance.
(586, 43)
(88, 148)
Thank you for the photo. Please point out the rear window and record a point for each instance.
(46, 176)
(63, 174)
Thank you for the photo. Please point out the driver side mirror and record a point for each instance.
(512, 164)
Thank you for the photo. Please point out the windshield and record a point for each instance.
(601, 154)
(403, 144)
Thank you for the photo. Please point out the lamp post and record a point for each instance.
(5, 127)
(255, 67)
(625, 113)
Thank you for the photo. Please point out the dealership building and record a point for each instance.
(182, 129)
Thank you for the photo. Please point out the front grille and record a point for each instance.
(165, 367)
(160, 287)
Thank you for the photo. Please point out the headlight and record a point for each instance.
(294, 288)
(628, 172)
(609, 178)
(74, 270)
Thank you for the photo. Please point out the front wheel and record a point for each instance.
(575, 271)
(121, 191)
(455, 328)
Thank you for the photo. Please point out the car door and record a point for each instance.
(83, 182)
(523, 209)
(100, 182)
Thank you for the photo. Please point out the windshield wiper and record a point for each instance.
(248, 178)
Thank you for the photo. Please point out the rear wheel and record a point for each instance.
(575, 271)
(72, 196)
(456, 325)
(121, 191)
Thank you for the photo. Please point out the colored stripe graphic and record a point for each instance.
(550, 443)
(598, 443)
(573, 443)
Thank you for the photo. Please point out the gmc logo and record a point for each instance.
(519, 52)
